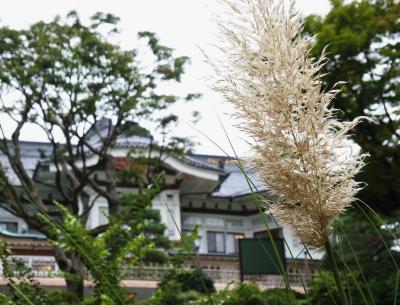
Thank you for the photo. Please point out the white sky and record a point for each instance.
(185, 25)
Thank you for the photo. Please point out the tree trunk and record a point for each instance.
(74, 269)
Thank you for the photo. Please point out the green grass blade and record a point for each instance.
(396, 287)
(258, 205)
(344, 235)
(348, 269)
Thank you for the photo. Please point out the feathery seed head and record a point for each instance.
(301, 150)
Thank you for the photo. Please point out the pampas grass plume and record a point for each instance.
(301, 150)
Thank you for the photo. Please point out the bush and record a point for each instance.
(180, 287)
(189, 280)
(280, 296)
(249, 294)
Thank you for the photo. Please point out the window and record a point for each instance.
(216, 242)
(9, 226)
(232, 242)
(223, 243)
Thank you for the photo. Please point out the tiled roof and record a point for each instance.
(189, 159)
(233, 182)
(33, 152)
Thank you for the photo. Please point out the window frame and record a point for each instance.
(224, 234)
(208, 245)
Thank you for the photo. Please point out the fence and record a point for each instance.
(47, 268)
(146, 273)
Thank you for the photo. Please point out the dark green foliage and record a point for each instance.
(277, 296)
(365, 248)
(363, 49)
(61, 298)
(185, 249)
(172, 294)
(189, 280)
(323, 289)
(250, 294)
(178, 287)
(246, 294)
(144, 221)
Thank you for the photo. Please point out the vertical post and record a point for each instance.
(240, 261)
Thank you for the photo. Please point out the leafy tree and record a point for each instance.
(84, 92)
(364, 50)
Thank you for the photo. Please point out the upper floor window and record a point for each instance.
(223, 243)
(216, 242)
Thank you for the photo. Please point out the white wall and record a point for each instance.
(167, 203)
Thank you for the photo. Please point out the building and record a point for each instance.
(204, 190)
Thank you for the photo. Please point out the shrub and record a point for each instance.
(189, 280)
(181, 287)
(248, 294)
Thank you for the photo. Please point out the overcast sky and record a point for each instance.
(185, 25)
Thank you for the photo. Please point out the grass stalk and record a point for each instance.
(345, 238)
(373, 224)
(349, 271)
(332, 261)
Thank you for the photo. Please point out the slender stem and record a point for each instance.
(332, 261)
